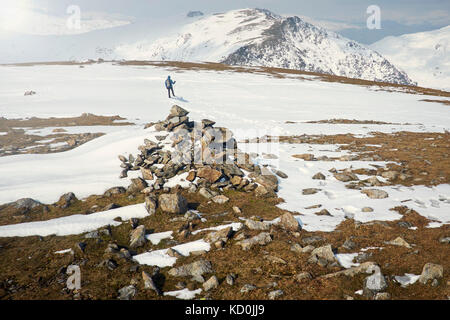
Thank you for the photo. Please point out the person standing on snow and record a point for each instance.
(169, 85)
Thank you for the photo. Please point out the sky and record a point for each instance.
(347, 17)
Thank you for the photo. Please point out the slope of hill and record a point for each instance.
(425, 56)
(258, 37)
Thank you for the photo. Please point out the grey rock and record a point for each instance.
(247, 288)
(289, 222)
(211, 283)
(261, 239)
(196, 268)
(137, 237)
(257, 225)
(275, 294)
(173, 203)
(151, 205)
(375, 193)
(309, 191)
(319, 176)
(431, 271)
(127, 293)
(230, 279)
(312, 239)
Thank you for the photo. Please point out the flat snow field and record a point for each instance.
(249, 104)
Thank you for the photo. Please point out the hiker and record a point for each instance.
(169, 85)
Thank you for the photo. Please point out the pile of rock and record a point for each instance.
(207, 156)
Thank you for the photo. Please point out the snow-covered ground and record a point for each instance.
(249, 104)
(425, 56)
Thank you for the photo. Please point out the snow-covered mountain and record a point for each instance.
(425, 56)
(258, 37)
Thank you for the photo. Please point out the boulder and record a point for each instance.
(288, 222)
(137, 185)
(211, 283)
(261, 239)
(177, 111)
(137, 237)
(209, 174)
(150, 205)
(220, 199)
(431, 271)
(257, 225)
(127, 293)
(173, 203)
(319, 176)
(197, 268)
(375, 193)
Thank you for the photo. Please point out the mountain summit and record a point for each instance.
(258, 37)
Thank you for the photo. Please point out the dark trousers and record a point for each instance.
(170, 89)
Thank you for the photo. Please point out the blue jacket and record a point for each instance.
(169, 83)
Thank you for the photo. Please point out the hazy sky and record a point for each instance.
(397, 16)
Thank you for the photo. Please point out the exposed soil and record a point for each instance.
(29, 268)
(422, 157)
(18, 141)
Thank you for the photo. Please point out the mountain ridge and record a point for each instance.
(258, 37)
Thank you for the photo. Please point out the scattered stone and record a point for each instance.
(173, 203)
(92, 235)
(196, 268)
(230, 279)
(346, 176)
(127, 293)
(209, 174)
(312, 239)
(211, 283)
(137, 237)
(296, 248)
(375, 193)
(382, 296)
(150, 205)
(149, 283)
(288, 222)
(207, 193)
(319, 176)
(374, 283)
(261, 239)
(323, 212)
(275, 294)
(309, 191)
(304, 156)
(325, 253)
(66, 200)
(367, 209)
(349, 245)
(399, 242)
(146, 174)
(236, 210)
(247, 288)
(220, 199)
(173, 253)
(137, 185)
(281, 174)
(302, 276)
(111, 206)
(431, 271)
(221, 235)
(257, 225)
(373, 181)
(404, 224)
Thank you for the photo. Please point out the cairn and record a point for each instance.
(209, 155)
